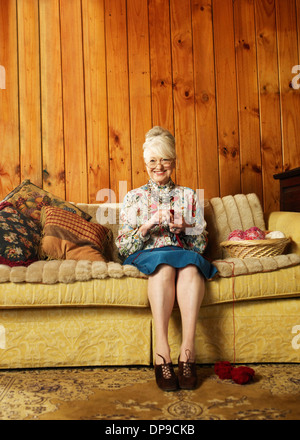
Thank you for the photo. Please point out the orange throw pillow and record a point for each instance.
(68, 236)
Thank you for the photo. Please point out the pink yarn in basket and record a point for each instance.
(253, 233)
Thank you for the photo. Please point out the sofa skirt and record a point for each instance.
(251, 332)
(74, 336)
(261, 331)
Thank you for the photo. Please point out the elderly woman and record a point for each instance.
(162, 233)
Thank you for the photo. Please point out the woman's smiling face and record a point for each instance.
(160, 169)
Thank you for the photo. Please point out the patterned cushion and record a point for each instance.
(19, 237)
(68, 236)
(30, 199)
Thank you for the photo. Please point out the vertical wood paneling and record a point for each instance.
(51, 99)
(298, 29)
(290, 98)
(205, 97)
(86, 79)
(95, 96)
(118, 94)
(73, 98)
(29, 91)
(228, 124)
(9, 113)
(245, 42)
(139, 79)
(183, 85)
(161, 64)
(270, 123)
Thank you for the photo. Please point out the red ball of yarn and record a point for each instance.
(242, 375)
(223, 370)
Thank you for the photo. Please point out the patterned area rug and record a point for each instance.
(131, 394)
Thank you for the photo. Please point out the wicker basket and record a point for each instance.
(255, 248)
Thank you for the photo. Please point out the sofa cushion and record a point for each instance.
(68, 236)
(283, 283)
(67, 271)
(30, 199)
(19, 237)
(107, 214)
(244, 266)
(125, 292)
(78, 289)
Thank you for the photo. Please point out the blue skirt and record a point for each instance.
(147, 260)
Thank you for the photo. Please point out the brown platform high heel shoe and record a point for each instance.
(187, 373)
(165, 376)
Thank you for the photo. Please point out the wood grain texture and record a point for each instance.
(73, 101)
(249, 130)
(118, 94)
(29, 91)
(161, 64)
(269, 99)
(139, 85)
(205, 98)
(227, 99)
(95, 96)
(51, 99)
(86, 79)
(290, 98)
(298, 29)
(183, 93)
(9, 98)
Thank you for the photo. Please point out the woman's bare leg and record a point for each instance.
(190, 289)
(161, 294)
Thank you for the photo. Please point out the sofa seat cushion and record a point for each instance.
(132, 292)
(126, 292)
(283, 283)
(238, 266)
(66, 271)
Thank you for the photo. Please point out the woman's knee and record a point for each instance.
(190, 274)
(164, 272)
(189, 271)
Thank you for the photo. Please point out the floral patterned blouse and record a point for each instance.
(140, 204)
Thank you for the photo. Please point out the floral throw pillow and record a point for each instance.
(19, 237)
(30, 199)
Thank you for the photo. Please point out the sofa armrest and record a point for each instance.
(289, 224)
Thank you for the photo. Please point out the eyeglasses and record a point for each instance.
(154, 162)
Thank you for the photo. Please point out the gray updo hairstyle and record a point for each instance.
(160, 142)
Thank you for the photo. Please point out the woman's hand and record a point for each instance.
(161, 217)
(178, 225)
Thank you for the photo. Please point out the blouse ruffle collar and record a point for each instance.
(167, 187)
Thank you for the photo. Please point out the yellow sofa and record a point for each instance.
(82, 313)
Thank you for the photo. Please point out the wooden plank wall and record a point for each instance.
(85, 79)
